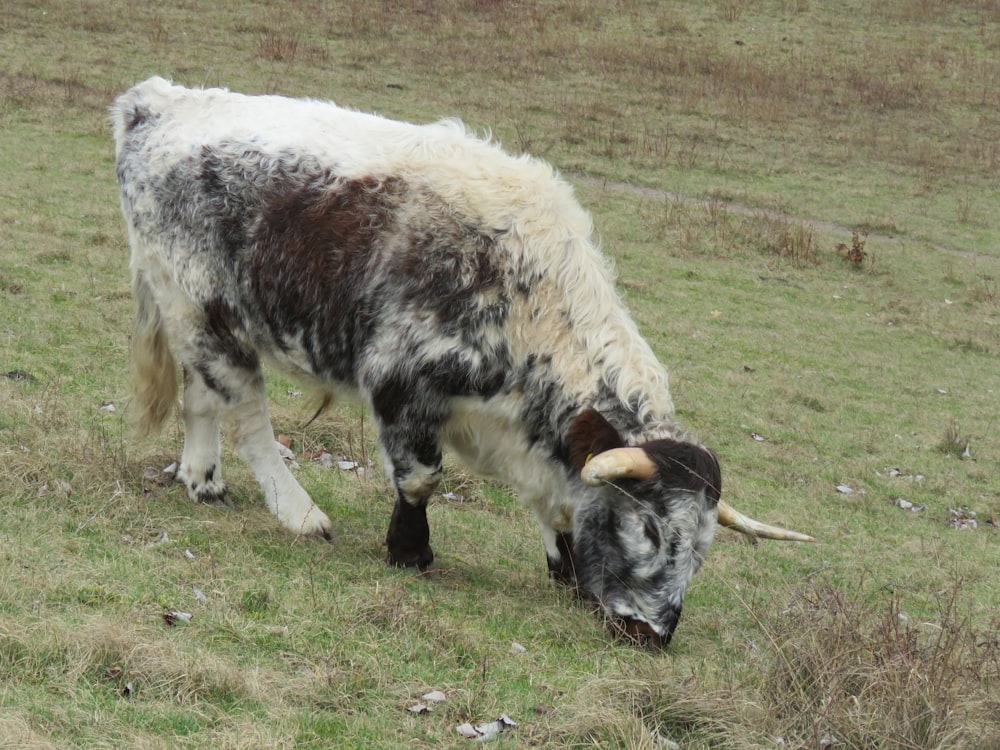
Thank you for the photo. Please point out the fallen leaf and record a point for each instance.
(907, 505)
(19, 375)
(486, 731)
(962, 519)
(174, 616)
(899, 474)
(322, 457)
(287, 455)
(660, 741)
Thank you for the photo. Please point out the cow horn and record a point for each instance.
(733, 519)
(635, 463)
(618, 463)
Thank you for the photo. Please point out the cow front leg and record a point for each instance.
(200, 469)
(559, 556)
(408, 539)
(412, 457)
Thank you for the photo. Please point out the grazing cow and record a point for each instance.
(458, 290)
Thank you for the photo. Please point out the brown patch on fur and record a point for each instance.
(310, 261)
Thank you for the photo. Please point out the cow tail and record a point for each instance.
(154, 371)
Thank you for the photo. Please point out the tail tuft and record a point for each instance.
(154, 371)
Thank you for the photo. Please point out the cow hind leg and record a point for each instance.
(254, 439)
(216, 392)
(201, 468)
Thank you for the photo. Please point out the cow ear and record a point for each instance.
(589, 435)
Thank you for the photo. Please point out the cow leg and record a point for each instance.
(201, 469)
(559, 555)
(408, 538)
(217, 389)
(254, 439)
(412, 457)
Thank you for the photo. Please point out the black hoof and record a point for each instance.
(218, 500)
(420, 559)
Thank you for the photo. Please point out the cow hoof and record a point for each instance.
(218, 500)
(205, 487)
(421, 559)
(315, 524)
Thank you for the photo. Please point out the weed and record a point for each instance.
(986, 290)
(256, 602)
(856, 254)
(846, 670)
(794, 240)
(954, 442)
(278, 45)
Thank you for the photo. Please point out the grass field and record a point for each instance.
(803, 203)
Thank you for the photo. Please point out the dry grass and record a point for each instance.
(724, 148)
(860, 672)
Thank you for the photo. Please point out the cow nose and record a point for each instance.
(641, 632)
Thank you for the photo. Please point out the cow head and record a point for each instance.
(646, 526)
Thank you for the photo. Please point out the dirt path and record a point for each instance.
(742, 209)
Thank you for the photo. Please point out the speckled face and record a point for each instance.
(637, 543)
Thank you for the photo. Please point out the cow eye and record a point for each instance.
(652, 532)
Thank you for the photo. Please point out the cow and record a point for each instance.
(457, 289)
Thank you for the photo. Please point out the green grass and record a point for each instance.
(726, 149)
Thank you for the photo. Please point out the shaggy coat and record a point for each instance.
(456, 289)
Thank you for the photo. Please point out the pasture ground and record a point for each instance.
(803, 203)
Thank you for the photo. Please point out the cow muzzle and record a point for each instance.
(641, 633)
